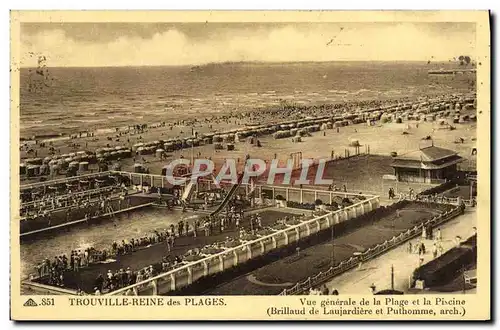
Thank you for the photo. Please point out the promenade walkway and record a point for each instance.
(377, 271)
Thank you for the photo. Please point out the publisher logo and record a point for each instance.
(30, 303)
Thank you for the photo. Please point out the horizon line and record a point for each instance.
(233, 62)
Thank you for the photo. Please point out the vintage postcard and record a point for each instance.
(250, 165)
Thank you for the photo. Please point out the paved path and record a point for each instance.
(377, 271)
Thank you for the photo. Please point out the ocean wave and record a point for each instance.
(336, 91)
(28, 122)
(89, 120)
(178, 96)
(362, 90)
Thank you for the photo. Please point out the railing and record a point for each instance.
(63, 180)
(161, 180)
(262, 241)
(471, 177)
(445, 200)
(315, 191)
(75, 194)
(136, 207)
(352, 262)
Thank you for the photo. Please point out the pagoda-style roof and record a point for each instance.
(428, 154)
(428, 158)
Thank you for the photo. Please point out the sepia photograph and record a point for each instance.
(188, 159)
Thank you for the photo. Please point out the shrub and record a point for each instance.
(282, 134)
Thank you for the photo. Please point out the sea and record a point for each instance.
(69, 100)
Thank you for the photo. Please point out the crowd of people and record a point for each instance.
(323, 291)
(91, 199)
(54, 270)
(420, 248)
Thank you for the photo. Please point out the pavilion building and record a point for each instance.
(427, 165)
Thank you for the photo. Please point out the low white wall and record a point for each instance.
(187, 274)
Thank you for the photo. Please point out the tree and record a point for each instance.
(461, 59)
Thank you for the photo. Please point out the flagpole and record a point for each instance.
(192, 147)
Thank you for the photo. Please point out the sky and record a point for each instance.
(140, 44)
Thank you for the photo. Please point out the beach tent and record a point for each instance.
(44, 169)
(136, 146)
(430, 117)
(102, 166)
(92, 159)
(229, 138)
(34, 161)
(169, 146)
(54, 169)
(33, 170)
(83, 166)
(140, 151)
(159, 153)
(138, 168)
(74, 164)
(125, 153)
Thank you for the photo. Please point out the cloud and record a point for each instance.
(362, 41)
